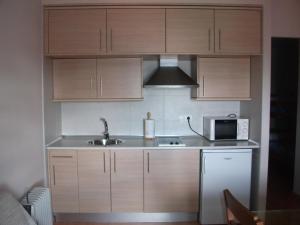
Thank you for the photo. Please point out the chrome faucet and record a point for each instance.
(105, 133)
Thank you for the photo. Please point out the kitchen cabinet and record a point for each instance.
(63, 181)
(171, 180)
(223, 169)
(74, 79)
(238, 31)
(135, 31)
(94, 181)
(77, 31)
(80, 31)
(120, 78)
(97, 79)
(127, 180)
(223, 79)
(190, 31)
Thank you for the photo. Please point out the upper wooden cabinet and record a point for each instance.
(190, 31)
(129, 31)
(223, 78)
(74, 79)
(127, 180)
(135, 31)
(75, 31)
(97, 79)
(171, 180)
(120, 78)
(238, 31)
(63, 181)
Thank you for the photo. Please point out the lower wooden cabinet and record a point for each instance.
(97, 181)
(223, 79)
(127, 180)
(171, 180)
(94, 181)
(63, 181)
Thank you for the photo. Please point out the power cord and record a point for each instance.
(188, 119)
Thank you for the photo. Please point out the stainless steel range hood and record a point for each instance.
(169, 75)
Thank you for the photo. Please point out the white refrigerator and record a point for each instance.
(223, 169)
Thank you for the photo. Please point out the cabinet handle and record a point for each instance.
(54, 178)
(104, 163)
(115, 164)
(62, 156)
(204, 164)
(91, 83)
(100, 33)
(148, 162)
(209, 39)
(100, 85)
(203, 86)
(228, 158)
(111, 40)
(219, 39)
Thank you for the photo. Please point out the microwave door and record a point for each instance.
(225, 129)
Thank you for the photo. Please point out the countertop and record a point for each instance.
(138, 142)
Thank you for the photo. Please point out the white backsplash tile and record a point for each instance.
(169, 107)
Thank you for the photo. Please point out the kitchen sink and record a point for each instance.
(104, 142)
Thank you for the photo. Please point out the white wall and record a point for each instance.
(52, 110)
(285, 18)
(21, 123)
(168, 107)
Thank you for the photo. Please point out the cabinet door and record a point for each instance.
(120, 78)
(223, 171)
(63, 181)
(189, 31)
(127, 180)
(74, 79)
(76, 31)
(133, 31)
(94, 181)
(224, 78)
(171, 180)
(238, 31)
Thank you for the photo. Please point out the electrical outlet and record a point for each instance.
(183, 118)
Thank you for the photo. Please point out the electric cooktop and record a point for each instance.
(170, 142)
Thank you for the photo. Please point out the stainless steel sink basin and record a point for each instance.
(104, 142)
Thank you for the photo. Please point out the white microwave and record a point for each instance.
(225, 128)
